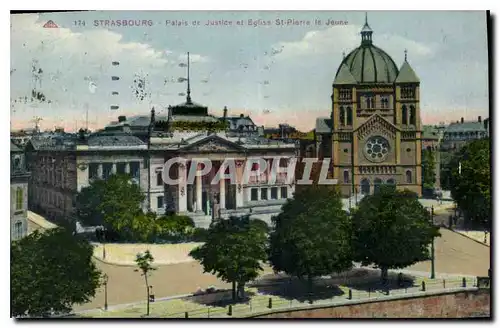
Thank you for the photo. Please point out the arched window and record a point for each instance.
(404, 114)
(19, 198)
(349, 116)
(376, 185)
(18, 230)
(342, 116)
(369, 102)
(365, 186)
(408, 176)
(346, 176)
(413, 116)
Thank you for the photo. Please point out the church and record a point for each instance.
(374, 134)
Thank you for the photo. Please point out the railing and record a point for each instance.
(263, 304)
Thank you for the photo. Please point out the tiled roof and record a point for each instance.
(407, 74)
(14, 148)
(323, 125)
(465, 127)
(119, 140)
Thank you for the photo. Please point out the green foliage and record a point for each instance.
(50, 272)
(176, 228)
(199, 235)
(312, 235)
(428, 169)
(391, 229)
(471, 187)
(233, 250)
(115, 203)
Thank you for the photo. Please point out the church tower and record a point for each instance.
(375, 125)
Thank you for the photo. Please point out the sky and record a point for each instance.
(276, 73)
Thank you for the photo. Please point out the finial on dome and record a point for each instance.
(366, 18)
(343, 54)
(406, 54)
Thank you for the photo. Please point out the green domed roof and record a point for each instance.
(368, 63)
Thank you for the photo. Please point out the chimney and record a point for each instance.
(485, 122)
(225, 111)
(462, 120)
(122, 118)
(479, 119)
(241, 115)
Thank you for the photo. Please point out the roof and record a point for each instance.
(120, 140)
(407, 74)
(430, 132)
(344, 76)
(370, 64)
(14, 148)
(324, 125)
(465, 127)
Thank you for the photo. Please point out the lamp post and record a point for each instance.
(105, 283)
(103, 244)
(433, 273)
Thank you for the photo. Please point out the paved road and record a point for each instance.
(455, 254)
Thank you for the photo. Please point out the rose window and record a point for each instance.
(376, 149)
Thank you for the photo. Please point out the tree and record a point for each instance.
(50, 272)
(392, 230)
(312, 235)
(428, 169)
(115, 203)
(175, 227)
(144, 262)
(233, 250)
(471, 182)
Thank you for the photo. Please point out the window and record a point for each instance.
(384, 102)
(345, 94)
(349, 116)
(17, 163)
(93, 171)
(159, 202)
(134, 169)
(407, 93)
(408, 176)
(369, 102)
(263, 194)
(120, 168)
(18, 230)
(254, 194)
(159, 179)
(342, 116)
(346, 176)
(19, 198)
(404, 114)
(413, 120)
(274, 193)
(106, 170)
(284, 192)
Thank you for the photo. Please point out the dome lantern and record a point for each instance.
(366, 32)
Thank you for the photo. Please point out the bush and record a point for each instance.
(199, 235)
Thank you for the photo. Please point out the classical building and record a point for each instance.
(18, 193)
(374, 132)
(461, 132)
(140, 146)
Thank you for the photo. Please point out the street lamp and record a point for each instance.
(433, 273)
(105, 283)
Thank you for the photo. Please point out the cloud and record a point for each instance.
(193, 58)
(344, 38)
(69, 60)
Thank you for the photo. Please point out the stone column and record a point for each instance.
(127, 168)
(113, 168)
(222, 194)
(199, 197)
(240, 199)
(99, 171)
(181, 189)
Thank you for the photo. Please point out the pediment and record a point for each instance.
(212, 144)
(377, 123)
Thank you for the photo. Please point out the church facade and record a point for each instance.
(374, 133)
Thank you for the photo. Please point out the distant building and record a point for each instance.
(461, 132)
(18, 193)
(21, 137)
